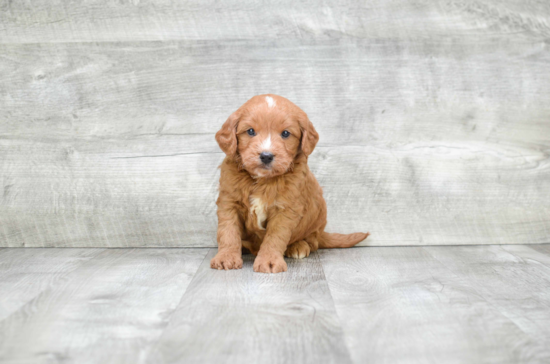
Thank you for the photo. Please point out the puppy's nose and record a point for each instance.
(266, 157)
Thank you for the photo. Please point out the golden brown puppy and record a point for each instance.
(270, 203)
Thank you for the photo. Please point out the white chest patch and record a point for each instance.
(259, 208)
(270, 101)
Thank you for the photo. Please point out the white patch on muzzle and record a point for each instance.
(266, 144)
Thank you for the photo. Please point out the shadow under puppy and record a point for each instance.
(270, 203)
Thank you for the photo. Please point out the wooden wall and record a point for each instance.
(434, 116)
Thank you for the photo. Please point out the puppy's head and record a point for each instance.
(266, 135)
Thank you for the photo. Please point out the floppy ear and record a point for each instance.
(309, 134)
(227, 135)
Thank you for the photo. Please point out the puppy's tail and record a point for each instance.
(334, 240)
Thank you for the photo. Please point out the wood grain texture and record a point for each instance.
(161, 20)
(409, 305)
(241, 316)
(467, 304)
(544, 249)
(434, 120)
(108, 310)
(25, 273)
(510, 280)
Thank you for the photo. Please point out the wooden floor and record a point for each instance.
(448, 304)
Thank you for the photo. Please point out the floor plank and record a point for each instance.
(109, 310)
(451, 304)
(509, 279)
(542, 248)
(25, 273)
(242, 316)
(401, 305)
(536, 254)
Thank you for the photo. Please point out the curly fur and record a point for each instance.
(276, 210)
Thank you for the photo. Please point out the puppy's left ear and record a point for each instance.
(310, 137)
(227, 135)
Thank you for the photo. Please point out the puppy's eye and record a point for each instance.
(285, 134)
(251, 132)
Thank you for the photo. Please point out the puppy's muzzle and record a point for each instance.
(266, 158)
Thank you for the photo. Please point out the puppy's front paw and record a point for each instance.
(227, 260)
(271, 263)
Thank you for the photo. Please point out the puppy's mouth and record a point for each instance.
(264, 170)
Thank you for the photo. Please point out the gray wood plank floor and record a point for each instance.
(450, 304)
(108, 310)
(241, 316)
(414, 307)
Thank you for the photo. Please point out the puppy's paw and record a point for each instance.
(298, 250)
(271, 263)
(227, 260)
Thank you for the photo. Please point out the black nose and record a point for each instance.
(266, 157)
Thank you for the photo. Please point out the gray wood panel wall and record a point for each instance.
(434, 116)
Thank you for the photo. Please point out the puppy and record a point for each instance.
(270, 203)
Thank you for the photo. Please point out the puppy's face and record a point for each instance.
(268, 132)
(268, 139)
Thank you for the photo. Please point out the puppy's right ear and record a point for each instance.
(227, 135)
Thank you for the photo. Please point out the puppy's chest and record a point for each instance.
(259, 211)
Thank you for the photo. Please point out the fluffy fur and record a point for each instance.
(272, 210)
